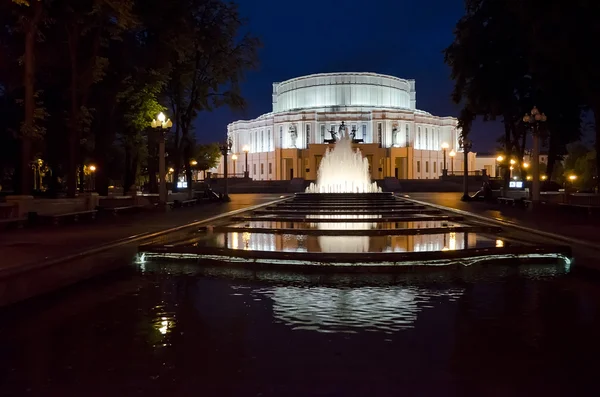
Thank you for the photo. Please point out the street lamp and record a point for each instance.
(246, 149)
(162, 124)
(452, 154)
(445, 147)
(225, 148)
(534, 119)
(92, 169)
(466, 146)
(499, 161)
(234, 158)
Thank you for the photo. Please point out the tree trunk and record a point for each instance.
(552, 157)
(596, 110)
(508, 150)
(26, 173)
(74, 116)
(187, 156)
(152, 161)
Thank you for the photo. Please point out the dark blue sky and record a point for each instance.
(402, 38)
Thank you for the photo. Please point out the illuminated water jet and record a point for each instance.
(343, 170)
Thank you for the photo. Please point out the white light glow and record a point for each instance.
(343, 170)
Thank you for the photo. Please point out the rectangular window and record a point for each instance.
(364, 128)
(322, 133)
(280, 137)
(262, 168)
(254, 169)
(262, 141)
(270, 168)
(407, 144)
(379, 132)
(434, 167)
(427, 166)
(426, 139)
(418, 166)
(269, 140)
(307, 135)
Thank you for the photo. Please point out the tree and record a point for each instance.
(491, 66)
(88, 25)
(558, 35)
(207, 156)
(207, 69)
(31, 14)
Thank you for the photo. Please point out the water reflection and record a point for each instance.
(351, 244)
(424, 224)
(382, 309)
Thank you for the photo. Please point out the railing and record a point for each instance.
(462, 173)
(583, 199)
(8, 211)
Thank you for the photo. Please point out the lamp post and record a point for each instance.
(92, 169)
(445, 147)
(163, 124)
(466, 146)
(499, 161)
(246, 149)
(534, 119)
(452, 154)
(225, 148)
(234, 158)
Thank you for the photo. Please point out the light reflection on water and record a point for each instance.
(380, 309)
(498, 334)
(350, 244)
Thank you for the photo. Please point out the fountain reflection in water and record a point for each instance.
(380, 309)
(343, 170)
(345, 244)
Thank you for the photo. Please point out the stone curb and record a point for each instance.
(22, 268)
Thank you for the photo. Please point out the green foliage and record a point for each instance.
(103, 69)
(581, 161)
(207, 156)
(491, 63)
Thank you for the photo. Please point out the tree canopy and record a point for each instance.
(502, 66)
(82, 79)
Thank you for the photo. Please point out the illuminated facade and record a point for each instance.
(397, 139)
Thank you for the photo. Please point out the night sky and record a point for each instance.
(401, 38)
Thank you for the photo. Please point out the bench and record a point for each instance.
(514, 201)
(186, 203)
(9, 216)
(126, 208)
(74, 216)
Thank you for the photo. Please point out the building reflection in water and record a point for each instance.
(283, 242)
(380, 309)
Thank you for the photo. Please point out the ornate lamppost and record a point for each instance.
(163, 125)
(466, 146)
(225, 148)
(534, 119)
(452, 154)
(445, 147)
(246, 149)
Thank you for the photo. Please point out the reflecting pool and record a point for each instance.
(178, 330)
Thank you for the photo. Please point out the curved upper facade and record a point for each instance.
(335, 90)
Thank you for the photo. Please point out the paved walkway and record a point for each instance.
(556, 221)
(32, 245)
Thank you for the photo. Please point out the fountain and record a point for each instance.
(343, 170)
